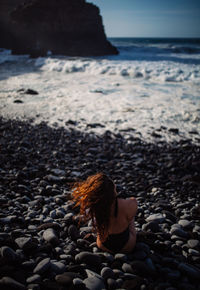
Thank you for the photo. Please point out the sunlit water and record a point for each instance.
(151, 85)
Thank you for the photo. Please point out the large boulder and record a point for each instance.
(67, 27)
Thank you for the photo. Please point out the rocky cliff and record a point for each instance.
(67, 27)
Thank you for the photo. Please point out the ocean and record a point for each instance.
(151, 89)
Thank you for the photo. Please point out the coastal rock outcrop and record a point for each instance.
(66, 27)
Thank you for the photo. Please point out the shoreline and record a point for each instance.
(150, 96)
(40, 242)
(160, 135)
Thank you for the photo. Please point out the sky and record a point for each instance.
(150, 18)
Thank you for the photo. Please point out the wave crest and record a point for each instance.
(162, 71)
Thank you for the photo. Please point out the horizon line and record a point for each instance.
(164, 37)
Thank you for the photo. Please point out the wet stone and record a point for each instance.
(33, 287)
(8, 253)
(73, 232)
(88, 258)
(68, 218)
(42, 266)
(30, 92)
(132, 283)
(179, 232)
(33, 279)
(78, 283)
(185, 224)
(24, 243)
(193, 243)
(66, 278)
(127, 268)
(94, 283)
(179, 243)
(67, 258)
(7, 220)
(109, 257)
(29, 265)
(10, 283)
(120, 257)
(194, 252)
(152, 225)
(157, 217)
(58, 267)
(112, 284)
(50, 236)
(18, 101)
(91, 274)
(170, 216)
(70, 249)
(141, 268)
(107, 272)
(189, 270)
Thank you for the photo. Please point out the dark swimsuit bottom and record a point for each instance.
(115, 242)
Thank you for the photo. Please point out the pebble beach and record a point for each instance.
(41, 244)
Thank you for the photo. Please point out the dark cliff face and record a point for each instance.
(67, 27)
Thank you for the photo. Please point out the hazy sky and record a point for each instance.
(150, 18)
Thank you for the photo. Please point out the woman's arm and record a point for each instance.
(131, 209)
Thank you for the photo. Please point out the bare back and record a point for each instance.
(127, 209)
(124, 217)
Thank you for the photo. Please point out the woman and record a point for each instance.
(112, 217)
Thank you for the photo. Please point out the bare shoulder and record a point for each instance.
(130, 206)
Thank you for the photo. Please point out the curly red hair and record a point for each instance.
(95, 196)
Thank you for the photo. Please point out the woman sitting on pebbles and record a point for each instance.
(112, 217)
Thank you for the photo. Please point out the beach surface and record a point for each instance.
(41, 244)
(136, 117)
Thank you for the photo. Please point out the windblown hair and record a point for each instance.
(95, 196)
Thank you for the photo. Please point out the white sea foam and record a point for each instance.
(156, 71)
(117, 92)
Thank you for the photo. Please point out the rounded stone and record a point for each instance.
(189, 270)
(91, 274)
(64, 279)
(121, 257)
(193, 243)
(42, 266)
(157, 217)
(78, 282)
(24, 242)
(107, 272)
(58, 267)
(152, 225)
(94, 283)
(179, 233)
(33, 287)
(10, 283)
(112, 284)
(194, 252)
(140, 268)
(88, 258)
(67, 278)
(8, 253)
(186, 224)
(50, 236)
(127, 268)
(73, 232)
(33, 279)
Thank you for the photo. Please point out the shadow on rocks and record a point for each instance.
(40, 239)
